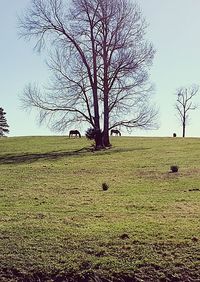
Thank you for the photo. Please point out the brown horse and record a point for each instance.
(116, 132)
(74, 133)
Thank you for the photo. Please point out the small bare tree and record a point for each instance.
(99, 64)
(184, 103)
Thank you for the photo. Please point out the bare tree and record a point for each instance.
(184, 103)
(99, 64)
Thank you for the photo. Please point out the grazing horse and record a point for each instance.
(116, 132)
(74, 133)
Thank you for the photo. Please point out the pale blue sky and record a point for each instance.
(174, 30)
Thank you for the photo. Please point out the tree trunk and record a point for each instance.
(99, 140)
(184, 122)
(183, 129)
(106, 140)
(98, 134)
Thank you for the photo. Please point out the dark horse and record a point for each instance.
(74, 133)
(116, 132)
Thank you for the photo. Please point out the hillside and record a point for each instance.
(57, 223)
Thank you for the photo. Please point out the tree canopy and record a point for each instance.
(3, 123)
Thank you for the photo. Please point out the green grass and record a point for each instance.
(56, 222)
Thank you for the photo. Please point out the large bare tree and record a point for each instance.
(99, 62)
(184, 103)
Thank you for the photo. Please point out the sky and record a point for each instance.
(174, 30)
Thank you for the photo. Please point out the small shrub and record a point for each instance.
(174, 134)
(90, 133)
(124, 236)
(174, 168)
(105, 186)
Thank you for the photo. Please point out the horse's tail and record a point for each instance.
(119, 133)
(79, 134)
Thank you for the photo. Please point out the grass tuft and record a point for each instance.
(105, 186)
(174, 168)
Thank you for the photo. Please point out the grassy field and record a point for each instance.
(57, 224)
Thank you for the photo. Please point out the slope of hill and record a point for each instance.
(58, 224)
